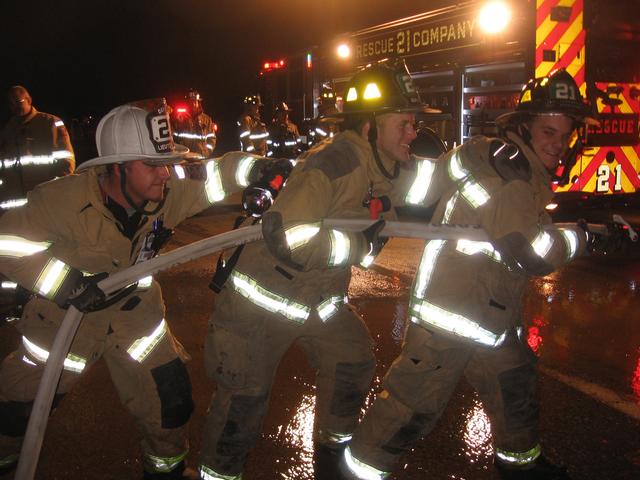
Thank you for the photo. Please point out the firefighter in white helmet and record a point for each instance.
(252, 131)
(292, 287)
(193, 128)
(466, 302)
(74, 231)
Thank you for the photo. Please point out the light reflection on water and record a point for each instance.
(477, 434)
(299, 434)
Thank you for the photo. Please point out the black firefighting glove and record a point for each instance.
(374, 240)
(80, 291)
(605, 243)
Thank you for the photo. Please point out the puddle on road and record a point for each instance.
(577, 320)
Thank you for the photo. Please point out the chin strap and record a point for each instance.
(373, 137)
(139, 209)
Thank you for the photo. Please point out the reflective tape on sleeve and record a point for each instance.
(330, 307)
(213, 185)
(51, 277)
(340, 247)
(542, 243)
(301, 234)
(420, 187)
(244, 168)
(13, 246)
(469, 247)
(571, 239)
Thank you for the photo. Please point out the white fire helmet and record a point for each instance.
(136, 131)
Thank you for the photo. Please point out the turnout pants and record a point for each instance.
(146, 365)
(243, 349)
(418, 386)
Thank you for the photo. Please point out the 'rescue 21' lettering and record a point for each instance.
(615, 129)
(422, 38)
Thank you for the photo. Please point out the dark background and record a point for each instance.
(84, 57)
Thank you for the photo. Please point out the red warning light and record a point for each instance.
(269, 66)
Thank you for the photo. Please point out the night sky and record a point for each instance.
(86, 56)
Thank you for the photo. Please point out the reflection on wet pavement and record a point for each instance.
(477, 434)
(578, 320)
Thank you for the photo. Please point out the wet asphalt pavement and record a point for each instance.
(582, 322)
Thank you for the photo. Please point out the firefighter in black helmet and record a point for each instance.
(195, 129)
(251, 129)
(292, 286)
(284, 137)
(466, 301)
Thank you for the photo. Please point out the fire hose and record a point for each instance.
(37, 425)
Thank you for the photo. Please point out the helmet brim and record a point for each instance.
(380, 111)
(178, 155)
(512, 117)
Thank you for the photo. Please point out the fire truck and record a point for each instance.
(471, 59)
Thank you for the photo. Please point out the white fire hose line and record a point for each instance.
(34, 435)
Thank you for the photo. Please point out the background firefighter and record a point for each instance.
(284, 137)
(194, 129)
(34, 148)
(251, 129)
(75, 230)
(291, 287)
(465, 306)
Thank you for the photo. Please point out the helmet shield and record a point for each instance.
(137, 131)
(555, 94)
(253, 100)
(383, 88)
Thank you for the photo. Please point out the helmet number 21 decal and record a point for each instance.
(564, 91)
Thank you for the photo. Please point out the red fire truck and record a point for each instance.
(471, 63)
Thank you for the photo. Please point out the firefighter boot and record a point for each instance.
(542, 469)
(326, 461)
(179, 473)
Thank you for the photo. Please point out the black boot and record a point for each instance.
(181, 472)
(326, 461)
(542, 469)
